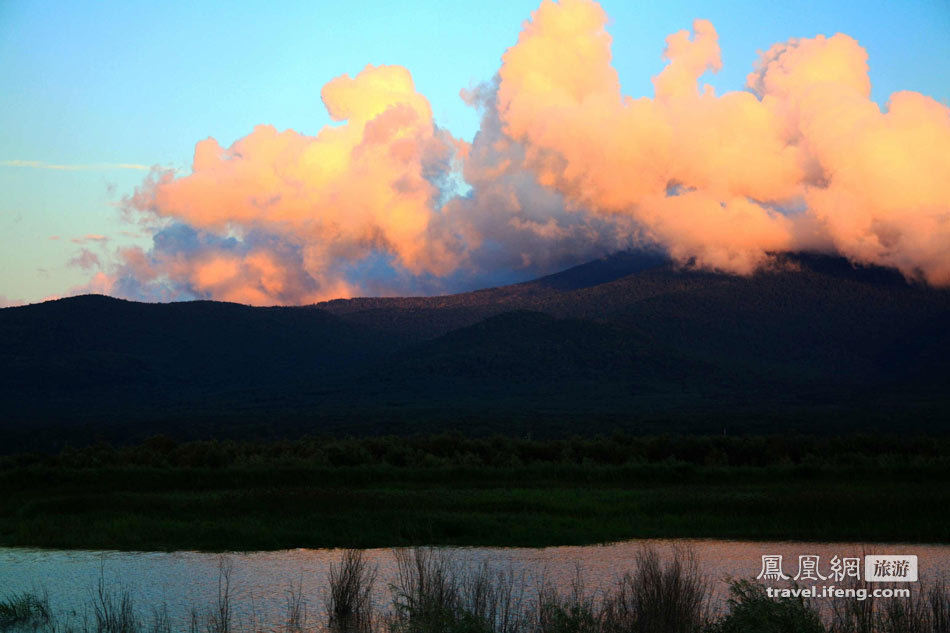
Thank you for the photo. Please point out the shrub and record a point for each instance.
(751, 610)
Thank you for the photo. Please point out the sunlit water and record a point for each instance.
(260, 581)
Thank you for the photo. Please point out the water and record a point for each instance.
(260, 581)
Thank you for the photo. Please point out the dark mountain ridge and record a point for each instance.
(630, 340)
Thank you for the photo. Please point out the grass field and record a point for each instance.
(276, 505)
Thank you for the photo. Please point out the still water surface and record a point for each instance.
(260, 580)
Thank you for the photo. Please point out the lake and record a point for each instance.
(260, 581)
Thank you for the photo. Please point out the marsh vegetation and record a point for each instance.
(454, 490)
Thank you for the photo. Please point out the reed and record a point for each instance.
(349, 602)
(927, 610)
(670, 596)
(296, 619)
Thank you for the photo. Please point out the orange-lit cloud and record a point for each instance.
(565, 167)
(305, 207)
(90, 237)
(803, 159)
(880, 184)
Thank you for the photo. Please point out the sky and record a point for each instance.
(94, 95)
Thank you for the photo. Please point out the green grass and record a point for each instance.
(455, 490)
(242, 508)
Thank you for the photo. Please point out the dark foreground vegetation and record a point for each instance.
(450, 489)
(431, 594)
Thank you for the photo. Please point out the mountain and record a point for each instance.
(629, 341)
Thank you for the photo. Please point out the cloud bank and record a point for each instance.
(565, 167)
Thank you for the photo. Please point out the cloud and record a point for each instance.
(564, 167)
(86, 260)
(879, 181)
(282, 217)
(690, 168)
(509, 220)
(802, 159)
(37, 164)
(89, 237)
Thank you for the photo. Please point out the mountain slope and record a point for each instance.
(628, 340)
(812, 316)
(92, 356)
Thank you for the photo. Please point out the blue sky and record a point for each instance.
(95, 85)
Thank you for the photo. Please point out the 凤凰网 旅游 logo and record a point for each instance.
(876, 568)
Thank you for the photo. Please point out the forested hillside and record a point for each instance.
(630, 342)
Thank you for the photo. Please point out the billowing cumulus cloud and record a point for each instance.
(803, 159)
(281, 217)
(509, 221)
(879, 181)
(565, 167)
